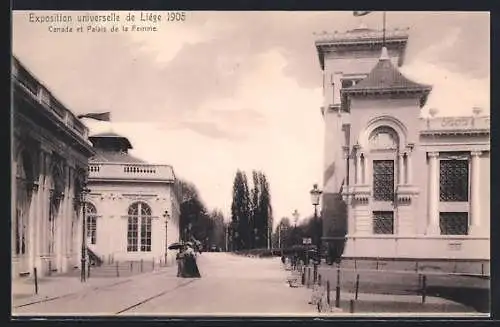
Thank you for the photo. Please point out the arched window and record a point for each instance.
(139, 224)
(384, 152)
(91, 214)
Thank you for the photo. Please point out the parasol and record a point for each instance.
(175, 246)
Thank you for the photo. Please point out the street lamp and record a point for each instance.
(296, 216)
(315, 197)
(167, 217)
(83, 201)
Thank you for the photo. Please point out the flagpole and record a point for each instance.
(383, 30)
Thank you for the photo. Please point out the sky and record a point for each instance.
(222, 91)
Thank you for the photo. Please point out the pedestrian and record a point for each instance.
(190, 268)
(179, 257)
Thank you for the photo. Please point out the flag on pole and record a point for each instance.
(360, 13)
(102, 116)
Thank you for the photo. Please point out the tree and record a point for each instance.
(261, 210)
(217, 236)
(282, 235)
(194, 219)
(240, 212)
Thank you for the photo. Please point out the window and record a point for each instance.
(383, 180)
(91, 214)
(383, 222)
(454, 180)
(348, 82)
(139, 223)
(453, 223)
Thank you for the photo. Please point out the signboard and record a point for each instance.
(307, 240)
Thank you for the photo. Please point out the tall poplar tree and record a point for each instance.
(240, 212)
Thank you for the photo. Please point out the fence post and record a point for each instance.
(424, 287)
(357, 286)
(337, 295)
(117, 270)
(351, 306)
(36, 280)
(482, 269)
(328, 292)
(141, 264)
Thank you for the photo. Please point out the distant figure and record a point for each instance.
(179, 257)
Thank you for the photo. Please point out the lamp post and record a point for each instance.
(166, 215)
(315, 197)
(295, 216)
(83, 199)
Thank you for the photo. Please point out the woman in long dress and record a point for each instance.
(190, 269)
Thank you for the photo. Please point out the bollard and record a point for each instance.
(337, 293)
(319, 280)
(153, 263)
(482, 269)
(315, 273)
(355, 265)
(117, 270)
(50, 268)
(424, 287)
(328, 292)
(36, 280)
(141, 264)
(416, 266)
(131, 266)
(88, 271)
(377, 264)
(308, 276)
(351, 306)
(303, 277)
(357, 286)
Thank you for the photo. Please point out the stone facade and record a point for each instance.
(49, 161)
(372, 118)
(124, 189)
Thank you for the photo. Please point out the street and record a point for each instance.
(230, 285)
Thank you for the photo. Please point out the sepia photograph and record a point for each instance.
(250, 164)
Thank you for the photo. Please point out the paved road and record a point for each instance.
(230, 285)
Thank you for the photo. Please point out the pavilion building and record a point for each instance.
(133, 208)
(397, 185)
(50, 153)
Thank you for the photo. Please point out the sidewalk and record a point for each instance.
(56, 287)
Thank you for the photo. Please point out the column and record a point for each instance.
(44, 222)
(433, 204)
(358, 168)
(366, 170)
(39, 250)
(32, 230)
(475, 220)
(409, 168)
(401, 169)
(64, 222)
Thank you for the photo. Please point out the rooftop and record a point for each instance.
(361, 38)
(384, 78)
